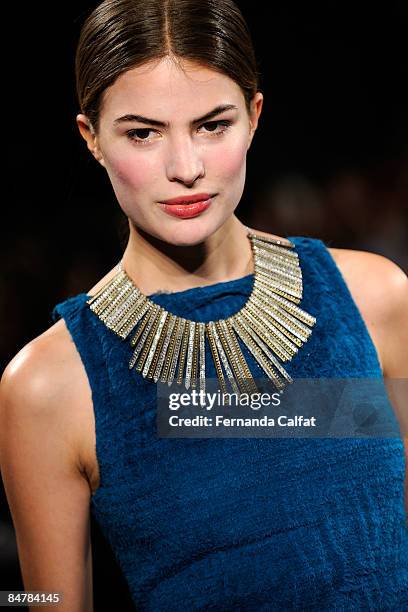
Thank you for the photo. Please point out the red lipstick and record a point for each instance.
(188, 199)
(189, 206)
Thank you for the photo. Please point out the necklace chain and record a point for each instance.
(171, 348)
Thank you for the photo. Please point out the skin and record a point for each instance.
(47, 428)
(164, 252)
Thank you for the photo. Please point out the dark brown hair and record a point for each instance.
(122, 34)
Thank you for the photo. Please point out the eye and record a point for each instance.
(211, 126)
(139, 135)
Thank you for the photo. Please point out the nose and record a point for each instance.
(184, 163)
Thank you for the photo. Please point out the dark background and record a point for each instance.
(329, 160)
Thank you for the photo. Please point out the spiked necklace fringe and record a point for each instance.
(168, 347)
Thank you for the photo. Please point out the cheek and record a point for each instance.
(127, 171)
(231, 160)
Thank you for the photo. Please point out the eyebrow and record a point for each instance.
(140, 119)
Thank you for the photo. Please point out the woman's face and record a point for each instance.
(159, 138)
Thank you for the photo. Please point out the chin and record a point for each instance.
(182, 232)
(188, 234)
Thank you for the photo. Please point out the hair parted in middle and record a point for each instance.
(122, 34)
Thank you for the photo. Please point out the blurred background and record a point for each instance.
(329, 160)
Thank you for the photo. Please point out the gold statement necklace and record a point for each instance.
(172, 348)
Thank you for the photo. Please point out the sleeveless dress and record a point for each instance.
(247, 524)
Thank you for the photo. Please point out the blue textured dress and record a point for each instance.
(247, 523)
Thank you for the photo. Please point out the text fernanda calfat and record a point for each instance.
(219, 420)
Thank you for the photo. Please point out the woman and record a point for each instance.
(169, 104)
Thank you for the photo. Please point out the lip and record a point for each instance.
(186, 211)
(188, 199)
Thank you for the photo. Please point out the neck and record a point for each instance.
(155, 265)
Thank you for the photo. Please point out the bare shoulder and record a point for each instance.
(36, 386)
(45, 366)
(372, 278)
(366, 261)
(39, 369)
(380, 289)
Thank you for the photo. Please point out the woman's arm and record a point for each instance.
(380, 290)
(396, 349)
(47, 493)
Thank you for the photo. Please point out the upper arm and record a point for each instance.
(380, 289)
(47, 495)
(396, 350)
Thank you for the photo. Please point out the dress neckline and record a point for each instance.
(213, 288)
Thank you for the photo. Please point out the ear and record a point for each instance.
(89, 135)
(255, 111)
